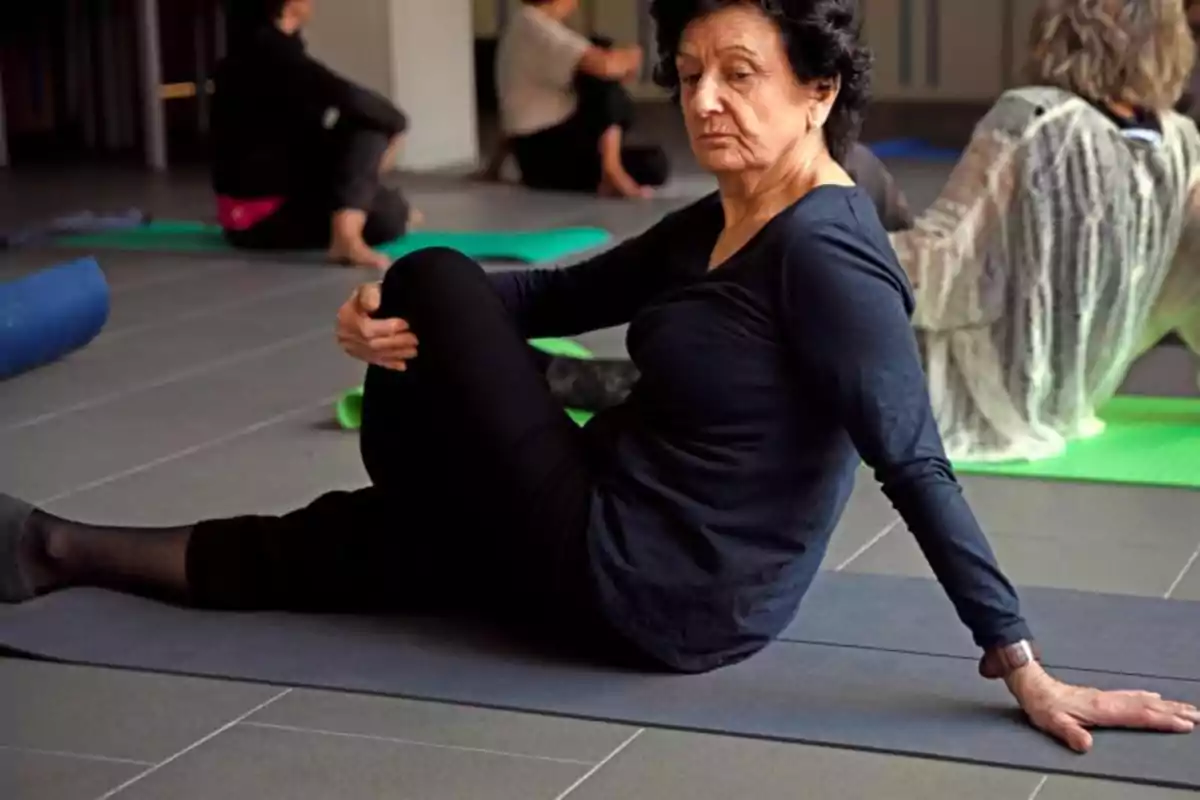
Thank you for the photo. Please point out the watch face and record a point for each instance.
(1017, 655)
(1003, 661)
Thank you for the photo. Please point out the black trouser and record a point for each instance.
(480, 494)
(566, 157)
(341, 172)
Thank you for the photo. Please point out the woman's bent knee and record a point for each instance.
(428, 275)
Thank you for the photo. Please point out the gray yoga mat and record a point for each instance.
(860, 698)
(1120, 634)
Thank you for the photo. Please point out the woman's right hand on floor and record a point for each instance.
(386, 343)
(1066, 712)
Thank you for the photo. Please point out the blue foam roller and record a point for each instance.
(51, 313)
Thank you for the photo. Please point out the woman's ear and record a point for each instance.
(825, 92)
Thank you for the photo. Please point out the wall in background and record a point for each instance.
(926, 50)
(420, 54)
(433, 79)
(356, 41)
(943, 50)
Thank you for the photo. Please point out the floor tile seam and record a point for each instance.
(413, 743)
(191, 450)
(41, 751)
(601, 765)
(1187, 567)
(196, 370)
(275, 292)
(874, 540)
(164, 278)
(198, 743)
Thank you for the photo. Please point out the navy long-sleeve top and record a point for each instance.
(763, 382)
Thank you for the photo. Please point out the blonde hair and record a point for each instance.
(1139, 52)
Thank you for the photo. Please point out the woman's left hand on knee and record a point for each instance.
(386, 343)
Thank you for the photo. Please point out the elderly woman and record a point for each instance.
(1066, 241)
(681, 529)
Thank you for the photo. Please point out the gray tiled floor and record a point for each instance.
(114, 715)
(26, 773)
(1062, 561)
(209, 394)
(249, 761)
(662, 765)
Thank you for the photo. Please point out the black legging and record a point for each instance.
(566, 157)
(343, 173)
(480, 490)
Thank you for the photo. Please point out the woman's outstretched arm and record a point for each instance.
(847, 306)
(847, 309)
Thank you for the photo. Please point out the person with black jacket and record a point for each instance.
(298, 150)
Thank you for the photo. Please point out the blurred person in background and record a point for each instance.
(298, 151)
(1067, 239)
(564, 112)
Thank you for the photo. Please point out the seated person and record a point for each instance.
(564, 114)
(298, 151)
(1065, 242)
(679, 531)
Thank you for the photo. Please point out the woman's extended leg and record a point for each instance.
(480, 487)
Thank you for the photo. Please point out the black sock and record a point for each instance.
(151, 561)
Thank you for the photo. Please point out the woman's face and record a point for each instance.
(743, 105)
(302, 10)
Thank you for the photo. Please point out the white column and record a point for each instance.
(3, 129)
(420, 54)
(433, 80)
(154, 133)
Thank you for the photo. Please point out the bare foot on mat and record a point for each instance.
(358, 254)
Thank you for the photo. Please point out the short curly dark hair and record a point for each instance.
(823, 40)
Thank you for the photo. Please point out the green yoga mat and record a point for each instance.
(348, 409)
(1148, 441)
(182, 236)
